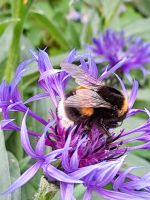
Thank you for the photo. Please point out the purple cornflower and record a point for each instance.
(88, 159)
(113, 47)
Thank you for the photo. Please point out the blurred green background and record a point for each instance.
(59, 25)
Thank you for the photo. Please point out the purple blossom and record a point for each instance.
(74, 15)
(112, 47)
(88, 159)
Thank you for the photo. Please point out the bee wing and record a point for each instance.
(86, 98)
(81, 77)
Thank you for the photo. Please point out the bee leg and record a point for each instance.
(85, 128)
(107, 133)
(109, 137)
(104, 129)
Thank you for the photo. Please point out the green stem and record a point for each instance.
(113, 12)
(13, 56)
(19, 13)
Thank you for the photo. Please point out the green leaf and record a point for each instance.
(5, 179)
(110, 10)
(5, 41)
(96, 196)
(144, 153)
(49, 25)
(7, 21)
(57, 196)
(42, 108)
(79, 191)
(143, 94)
(9, 171)
(25, 45)
(73, 36)
(14, 145)
(138, 27)
(143, 99)
(24, 163)
(130, 15)
(142, 104)
(28, 191)
(14, 174)
(143, 6)
(131, 123)
(86, 34)
(29, 80)
(31, 188)
(133, 160)
(44, 7)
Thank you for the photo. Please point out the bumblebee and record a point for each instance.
(92, 102)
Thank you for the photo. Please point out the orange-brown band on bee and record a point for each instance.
(87, 111)
(124, 108)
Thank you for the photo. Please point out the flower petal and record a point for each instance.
(66, 191)
(44, 61)
(122, 86)
(133, 94)
(5, 123)
(84, 171)
(92, 67)
(19, 73)
(41, 143)
(37, 97)
(25, 138)
(24, 178)
(106, 173)
(113, 195)
(71, 57)
(88, 194)
(121, 178)
(142, 183)
(60, 175)
(52, 155)
(65, 160)
(107, 73)
(134, 112)
(74, 161)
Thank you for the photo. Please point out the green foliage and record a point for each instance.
(9, 171)
(19, 12)
(53, 31)
(29, 24)
(4, 167)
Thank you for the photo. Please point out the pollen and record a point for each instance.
(87, 111)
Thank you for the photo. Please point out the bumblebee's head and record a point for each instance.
(120, 102)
